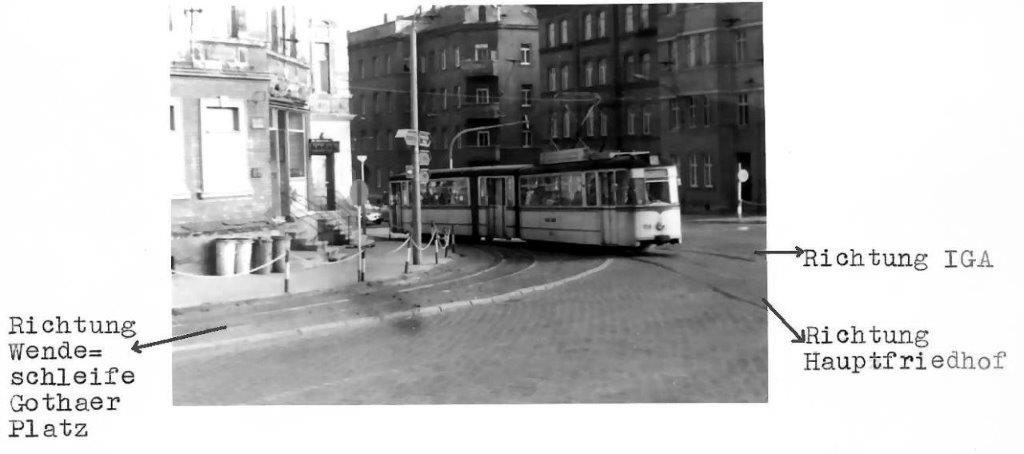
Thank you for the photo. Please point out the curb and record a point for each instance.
(420, 311)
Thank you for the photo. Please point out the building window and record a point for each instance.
(645, 65)
(629, 66)
(375, 67)
(458, 58)
(602, 72)
(527, 135)
(361, 69)
(567, 123)
(589, 124)
(296, 144)
(458, 96)
(376, 103)
(423, 65)
(224, 161)
(691, 50)
(553, 123)
(743, 110)
(481, 52)
(432, 61)
(444, 59)
(693, 170)
(631, 121)
(646, 119)
(602, 30)
(552, 79)
(565, 77)
(483, 138)
(741, 45)
(588, 26)
(179, 182)
(588, 74)
(481, 14)
(564, 26)
(604, 124)
(389, 102)
(707, 110)
(525, 54)
(707, 171)
(322, 65)
(691, 105)
(387, 64)
(444, 99)
(483, 96)
(676, 114)
(630, 26)
(645, 16)
(707, 48)
(552, 37)
(527, 94)
(673, 54)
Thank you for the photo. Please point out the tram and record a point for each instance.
(573, 196)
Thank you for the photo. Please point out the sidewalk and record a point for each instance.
(382, 264)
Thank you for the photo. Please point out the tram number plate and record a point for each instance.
(550, 219)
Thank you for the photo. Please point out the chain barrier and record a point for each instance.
(278, 258)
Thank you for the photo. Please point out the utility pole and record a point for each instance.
(417, 230)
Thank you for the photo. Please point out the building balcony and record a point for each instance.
(472, 68)
(488, 110)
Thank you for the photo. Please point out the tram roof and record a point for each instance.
(621, 161)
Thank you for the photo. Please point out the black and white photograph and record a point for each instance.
(468, 204)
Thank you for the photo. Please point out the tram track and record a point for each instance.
(711, 287)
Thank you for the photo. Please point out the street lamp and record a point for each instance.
(451, 145)
(362, 167)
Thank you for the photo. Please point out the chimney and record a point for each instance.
(385, 18)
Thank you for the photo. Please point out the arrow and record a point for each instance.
(797, 251)
(799, 337)
(137, 348)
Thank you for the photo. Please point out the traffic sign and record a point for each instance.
(411, 136)
(359, 194)
(743, 175)
(424, 175)
(424, 158)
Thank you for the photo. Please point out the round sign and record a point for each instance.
(359, 193)
(743, 175)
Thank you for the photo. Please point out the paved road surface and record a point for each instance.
(679, 324)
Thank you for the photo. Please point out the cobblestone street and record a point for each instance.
(678, 324)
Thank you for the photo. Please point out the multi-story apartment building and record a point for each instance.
(711, 71)
(250, 86)
(477, 67)
(599, 76)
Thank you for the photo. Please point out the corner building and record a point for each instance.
(599, 76)
(711, 60)
(477, 67)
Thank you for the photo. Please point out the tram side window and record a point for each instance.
(591, 184)
(447, 192)
(571, 193)
(617, 188)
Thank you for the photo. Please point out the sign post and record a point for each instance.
(358, 195)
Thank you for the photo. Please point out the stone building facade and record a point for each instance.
(477, 67)
(249, 87)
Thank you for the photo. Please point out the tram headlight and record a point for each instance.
(660, 226)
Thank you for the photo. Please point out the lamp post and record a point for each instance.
(417, 229)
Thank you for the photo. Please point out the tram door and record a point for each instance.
(494, 206)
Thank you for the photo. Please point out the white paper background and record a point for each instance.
(890, 125)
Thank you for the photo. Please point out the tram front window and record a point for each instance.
(658, 192)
